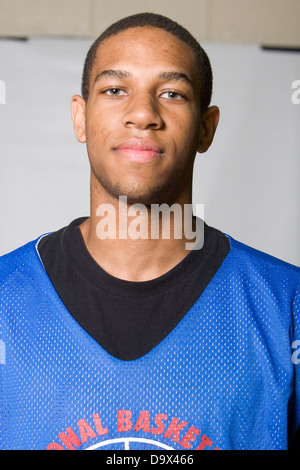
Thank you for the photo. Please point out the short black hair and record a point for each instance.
(157, 21)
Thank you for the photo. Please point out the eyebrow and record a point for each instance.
(123, 74)
(112, 74)
(177, 76)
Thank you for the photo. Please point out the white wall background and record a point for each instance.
(248, 180)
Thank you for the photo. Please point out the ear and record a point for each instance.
(209, 124)
(78, 106)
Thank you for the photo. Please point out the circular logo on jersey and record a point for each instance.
(129, 443)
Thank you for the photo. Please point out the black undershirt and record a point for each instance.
(126, 318)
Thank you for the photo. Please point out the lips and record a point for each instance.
(139, 150)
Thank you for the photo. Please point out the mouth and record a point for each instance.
(139, 150)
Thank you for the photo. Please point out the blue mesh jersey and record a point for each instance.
(226, 377)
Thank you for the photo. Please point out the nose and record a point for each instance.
(142, 113)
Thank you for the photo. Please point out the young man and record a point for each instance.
(146, 342)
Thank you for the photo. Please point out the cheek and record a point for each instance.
(96, 129)
(187, 121)
(103, 124)
(186, 135)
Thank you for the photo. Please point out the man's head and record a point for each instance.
(154, 20)
(142, 114)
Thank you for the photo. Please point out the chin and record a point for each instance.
(151, 196)
(138, 193)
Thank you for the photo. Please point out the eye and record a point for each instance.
(172, 95)
(115, 92)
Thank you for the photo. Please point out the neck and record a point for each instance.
(135, 242)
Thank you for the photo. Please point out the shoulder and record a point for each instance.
(268, 286)
(250, 253)
(260, 266)
(19, 260)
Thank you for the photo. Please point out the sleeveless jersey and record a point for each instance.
(226, 377)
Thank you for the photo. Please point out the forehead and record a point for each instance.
(148, 48)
